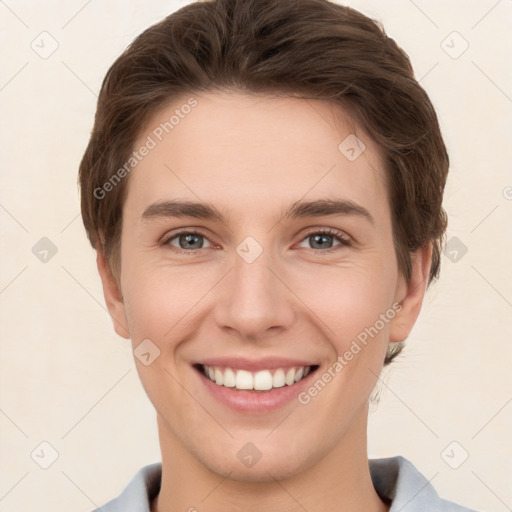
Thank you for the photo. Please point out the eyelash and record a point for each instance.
(344, 242)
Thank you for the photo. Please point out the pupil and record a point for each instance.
(189, 241)
(321, 239)
(192, 241)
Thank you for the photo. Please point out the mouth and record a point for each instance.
(263, 380)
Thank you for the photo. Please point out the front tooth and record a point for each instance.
(244, 380)
(263, 380)
(278, 379)
(229, 378)
(290, 377)
(219, 377)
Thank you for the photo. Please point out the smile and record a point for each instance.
(262, 380)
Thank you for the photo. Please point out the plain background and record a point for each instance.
(68, 380)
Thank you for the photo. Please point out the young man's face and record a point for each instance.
(263, 289)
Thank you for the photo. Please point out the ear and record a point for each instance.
(113, 297)
(410, 295)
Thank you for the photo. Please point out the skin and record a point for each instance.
(251, 157)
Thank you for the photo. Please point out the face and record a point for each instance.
(286, 263)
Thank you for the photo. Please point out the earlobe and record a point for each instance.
(412, 299)
(113, 297)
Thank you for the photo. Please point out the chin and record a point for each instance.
(250, 464)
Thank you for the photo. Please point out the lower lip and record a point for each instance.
(255, 402)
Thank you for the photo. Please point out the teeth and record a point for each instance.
(229, 379)
(259, 381)
(278, 379)
(263, 380)
(219, 377)
(290, 377)
(243, 380)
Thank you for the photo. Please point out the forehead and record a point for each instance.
(227, 147)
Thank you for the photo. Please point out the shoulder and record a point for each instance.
(137, 495)
(398, 480)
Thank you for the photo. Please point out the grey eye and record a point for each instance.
(188, 241)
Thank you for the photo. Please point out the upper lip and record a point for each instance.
(254, 365)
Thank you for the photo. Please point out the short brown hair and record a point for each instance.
(313, 49)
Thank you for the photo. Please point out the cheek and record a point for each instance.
(160, 299)
(347, 299)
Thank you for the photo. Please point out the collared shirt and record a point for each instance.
(395, 479)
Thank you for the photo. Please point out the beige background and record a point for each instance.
(68, 380)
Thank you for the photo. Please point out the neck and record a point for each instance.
(339, 480)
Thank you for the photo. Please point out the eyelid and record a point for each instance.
(166, 239)
(344, 239)
(328, 231)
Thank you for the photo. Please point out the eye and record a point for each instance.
(186, 241)
(322, 239)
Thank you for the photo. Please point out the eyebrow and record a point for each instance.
(299, 209)
(321, 207)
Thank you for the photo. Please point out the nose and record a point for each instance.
(254, 301)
